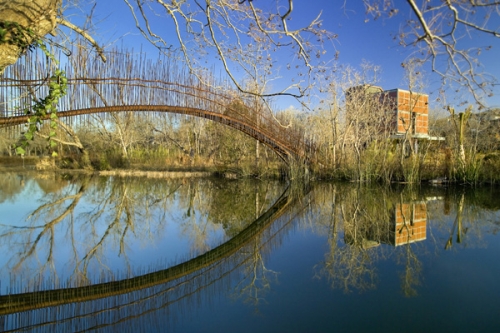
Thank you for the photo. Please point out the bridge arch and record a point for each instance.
(283, 149)
(127, 83)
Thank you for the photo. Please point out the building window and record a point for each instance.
(413, 123)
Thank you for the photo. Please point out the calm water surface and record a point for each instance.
(208, 255)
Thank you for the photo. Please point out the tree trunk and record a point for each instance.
(37, 15)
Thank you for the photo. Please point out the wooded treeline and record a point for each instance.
(350, 131)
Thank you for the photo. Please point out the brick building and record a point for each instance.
(410, 112)
(401, 114)
(406, 112)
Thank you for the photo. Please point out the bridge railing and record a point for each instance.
(127, 80)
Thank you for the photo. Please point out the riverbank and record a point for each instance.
(33, 163)
(485, 172)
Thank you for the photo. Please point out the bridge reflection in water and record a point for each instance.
(115, 302)
(349, 221)
(111, 303)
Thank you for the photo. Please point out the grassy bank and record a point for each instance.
(438, 165)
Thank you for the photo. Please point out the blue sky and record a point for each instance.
(358, 40)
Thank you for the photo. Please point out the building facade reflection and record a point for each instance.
(408, 224)
(404, 223)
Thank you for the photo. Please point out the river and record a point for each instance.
(139, 254)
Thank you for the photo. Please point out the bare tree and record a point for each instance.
(25, 23)
(16, 17)
(435, 30)
(250, 38)
(242, 35)
(238, 34)
(366, 123)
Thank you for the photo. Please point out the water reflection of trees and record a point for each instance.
(10, 185)
(222, 204)
(147, 294)
(255, 279)
(364, 225)
(357, 221)
(466, 216)
(360, 222)
(352, 218)
(111, 212)
(13, 183)
(43, 235)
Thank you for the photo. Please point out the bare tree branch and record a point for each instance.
(437, 30)
(84, 34)
(240, 35)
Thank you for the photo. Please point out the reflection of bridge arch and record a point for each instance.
(14, 303)
(283, 149)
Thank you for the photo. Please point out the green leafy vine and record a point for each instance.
(46, 107)
(14, 34)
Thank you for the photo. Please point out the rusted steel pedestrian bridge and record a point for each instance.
(124, 84)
